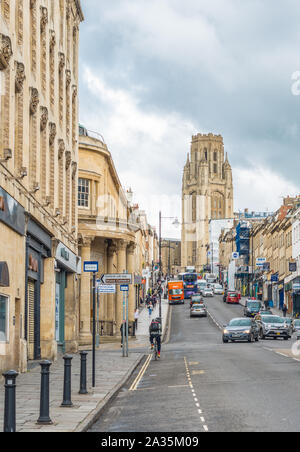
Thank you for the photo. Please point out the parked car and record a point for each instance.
(198, 310)
(241, 330)
(208, 292)
(252, 308)
(218, 289)
(273, 326)
(232, 298)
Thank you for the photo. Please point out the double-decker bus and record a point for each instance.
(189, 283)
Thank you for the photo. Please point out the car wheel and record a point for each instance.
(286, 338)
(225, 341)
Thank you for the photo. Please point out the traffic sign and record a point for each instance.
(275, 278)
(106, 288)
(260, 261)
(91, 267)
(117, 278)
(235, 256)
(124, 288)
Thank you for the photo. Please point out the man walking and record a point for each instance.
(284, 310)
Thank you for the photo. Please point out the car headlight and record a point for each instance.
(269, 326)
(247, 332)
(225, 331)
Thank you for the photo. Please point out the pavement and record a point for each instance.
(112, 371)
(203, 385)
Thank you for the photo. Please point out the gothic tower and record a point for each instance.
(207, 194)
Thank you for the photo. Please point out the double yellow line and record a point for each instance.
(141, 374)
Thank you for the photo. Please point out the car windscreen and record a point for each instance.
(217, 286)
(196, 298)
(190, 278)
(297, 323)
(198, 306)
(254, 305)
(240, 322)
(175, 291)
(272, 319)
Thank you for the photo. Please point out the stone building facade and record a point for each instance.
(207, 193)
(38, 178)
(170, 256)
(108, 233)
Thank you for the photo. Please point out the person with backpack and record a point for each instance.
(155, 332)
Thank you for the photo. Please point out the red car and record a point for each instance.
(233, 298)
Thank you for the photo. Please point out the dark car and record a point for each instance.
(196, 299)
(241, 330)
(273, 326)
(198, 310)
(252, 308)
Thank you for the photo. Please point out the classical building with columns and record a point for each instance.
(107, 234)
(38, 179)
(207, 194)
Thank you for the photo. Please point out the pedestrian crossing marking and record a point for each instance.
(198, 372)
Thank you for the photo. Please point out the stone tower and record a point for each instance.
(207, 194)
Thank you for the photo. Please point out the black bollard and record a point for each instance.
(44, 398)
(67, 402)
(83, 358)
(10, 402)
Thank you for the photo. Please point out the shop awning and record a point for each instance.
(4, 275)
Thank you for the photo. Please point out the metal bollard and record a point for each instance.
(10, 401)
(67, 402)
(83, 358)
(44, 398)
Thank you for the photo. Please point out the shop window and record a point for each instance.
(83, 192)
(3, 318)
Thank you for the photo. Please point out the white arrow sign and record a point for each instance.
(117, 278)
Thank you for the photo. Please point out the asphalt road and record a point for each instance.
(203, 385)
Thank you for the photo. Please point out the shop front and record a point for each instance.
(12, 233)
(67, 266)
(38, 249)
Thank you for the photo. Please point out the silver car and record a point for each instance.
(207, 292)
(198, 310)
(297, 328)
(218, 289)
(274, 327)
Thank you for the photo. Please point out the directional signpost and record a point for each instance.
(123, 280)
(117, 278)
(93, 267)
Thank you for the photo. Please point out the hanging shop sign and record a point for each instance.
(66, 258)
(292, 267)
(11, 212)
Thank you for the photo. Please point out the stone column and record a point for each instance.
(111, 260)
(121, 265)
(85, 336)
(131, 269)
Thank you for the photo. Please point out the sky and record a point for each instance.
(154, 73)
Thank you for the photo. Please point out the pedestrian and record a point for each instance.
(266, 304)
(150, 309)
(123, 327)
(136, 318)
(284, 310)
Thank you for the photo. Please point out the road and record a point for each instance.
(203, 385)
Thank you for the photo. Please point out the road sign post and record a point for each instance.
(93, 267)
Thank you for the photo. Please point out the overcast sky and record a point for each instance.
(154, 72)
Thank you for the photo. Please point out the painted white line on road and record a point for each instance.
(205, 428)
(141, 374)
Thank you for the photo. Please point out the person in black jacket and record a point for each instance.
(123, 327)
